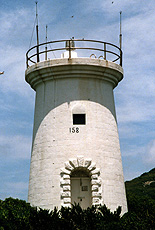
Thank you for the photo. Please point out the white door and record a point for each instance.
(81, 191)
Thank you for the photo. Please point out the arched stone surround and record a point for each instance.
(65, 182)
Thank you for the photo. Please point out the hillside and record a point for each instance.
(142, 186)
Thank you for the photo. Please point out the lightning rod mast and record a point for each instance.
(37, 31)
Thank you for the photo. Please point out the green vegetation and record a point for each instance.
(141, 202)
(143, 185)
(16, 214)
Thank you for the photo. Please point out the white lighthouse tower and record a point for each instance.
(75, 151)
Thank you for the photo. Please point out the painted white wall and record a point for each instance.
(64, 87)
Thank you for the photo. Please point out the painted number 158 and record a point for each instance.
(74, 130)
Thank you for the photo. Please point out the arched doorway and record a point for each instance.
(81, 187)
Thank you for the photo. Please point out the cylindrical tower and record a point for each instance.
(75, 151)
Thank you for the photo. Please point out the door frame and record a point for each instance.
(65, 181)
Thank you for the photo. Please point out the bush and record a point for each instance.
(17, 214)
(14, 214)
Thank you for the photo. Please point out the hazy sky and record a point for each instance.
(93, 19)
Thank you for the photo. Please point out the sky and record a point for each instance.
(93, 19)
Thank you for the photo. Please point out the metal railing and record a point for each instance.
(105, 50)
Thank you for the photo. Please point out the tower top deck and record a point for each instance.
(81, 48)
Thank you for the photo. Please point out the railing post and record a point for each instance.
(46, 53)
(120, 57)
(104, 51)
(27, 61)
(37, 53)
(69, 49)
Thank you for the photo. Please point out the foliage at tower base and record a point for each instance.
(17, 214)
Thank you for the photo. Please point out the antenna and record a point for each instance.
(46, 45)
(37, 31)
(120, 36)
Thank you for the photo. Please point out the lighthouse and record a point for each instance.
(76, 154)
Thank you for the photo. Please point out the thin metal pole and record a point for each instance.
(69, 49)
(104, 51)
(120, 57)
(37, 31)
(120, 38)
(46, 45)
(27, 62)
